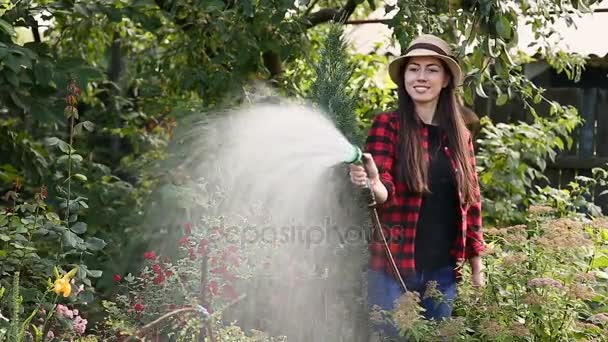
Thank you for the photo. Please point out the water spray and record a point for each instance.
(358, 158)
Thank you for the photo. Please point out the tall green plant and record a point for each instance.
(330, 90)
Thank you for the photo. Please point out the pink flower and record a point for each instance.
(117, 278)
(63, 310)
(150, 255)
(50, 335)
(138, 307)
(80, 324)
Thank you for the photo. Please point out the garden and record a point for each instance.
(121, 219)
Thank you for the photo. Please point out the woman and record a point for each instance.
(421, 166)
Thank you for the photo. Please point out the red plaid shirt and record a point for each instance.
(400, 213)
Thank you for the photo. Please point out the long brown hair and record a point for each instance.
(412, 165)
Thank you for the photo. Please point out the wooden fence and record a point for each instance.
(590, 147)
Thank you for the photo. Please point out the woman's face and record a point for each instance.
(424, 78)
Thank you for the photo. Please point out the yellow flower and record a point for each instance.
(62, 285)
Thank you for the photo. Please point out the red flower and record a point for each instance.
(139, 307)
(184, 241)
(191, 254)
(168, 273)
(156, 268)
(151, 255)
(117, 278)
(160, 278)
(71, 100)
(213, 288)
(44, 192)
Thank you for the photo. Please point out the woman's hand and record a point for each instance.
(359, 174)
(477, 278)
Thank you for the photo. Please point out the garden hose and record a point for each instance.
(358, 158)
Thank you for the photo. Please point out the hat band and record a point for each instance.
(428, 46)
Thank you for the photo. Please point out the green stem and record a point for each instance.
(29, 235)
(70, 172)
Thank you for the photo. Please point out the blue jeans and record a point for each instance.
(383, 289)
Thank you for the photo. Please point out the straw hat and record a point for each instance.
(427, 45)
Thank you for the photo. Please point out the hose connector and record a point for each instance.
(356, 156)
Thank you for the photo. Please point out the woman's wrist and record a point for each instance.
(476, 265)
(380, 191)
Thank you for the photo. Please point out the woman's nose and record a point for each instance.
(422, 76)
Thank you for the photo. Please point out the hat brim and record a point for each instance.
(396, 65)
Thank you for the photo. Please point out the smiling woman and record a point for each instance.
(421, 167)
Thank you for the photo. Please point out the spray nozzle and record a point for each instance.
(356, 156)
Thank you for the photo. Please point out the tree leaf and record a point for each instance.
(43, 73)
(88, 125)
(13, 62)
(94, 273)
(600, 262)
(80, 177)
(502, 99)
(79, 228)
(503, 27)
(8, 28)
(211, 5)
(17, 100)
(63, 146)
(468, 95)
(479, 90)
(95, 244)
(78, 128)
(70, 239)
(143, 3)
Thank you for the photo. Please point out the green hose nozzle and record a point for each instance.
(356, 156)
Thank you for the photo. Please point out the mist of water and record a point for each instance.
(281, 166)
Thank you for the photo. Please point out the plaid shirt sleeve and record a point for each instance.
(474, 235)
(381, 144)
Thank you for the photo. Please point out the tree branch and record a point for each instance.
(368, 21)
(36, 32)
(328, 14)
